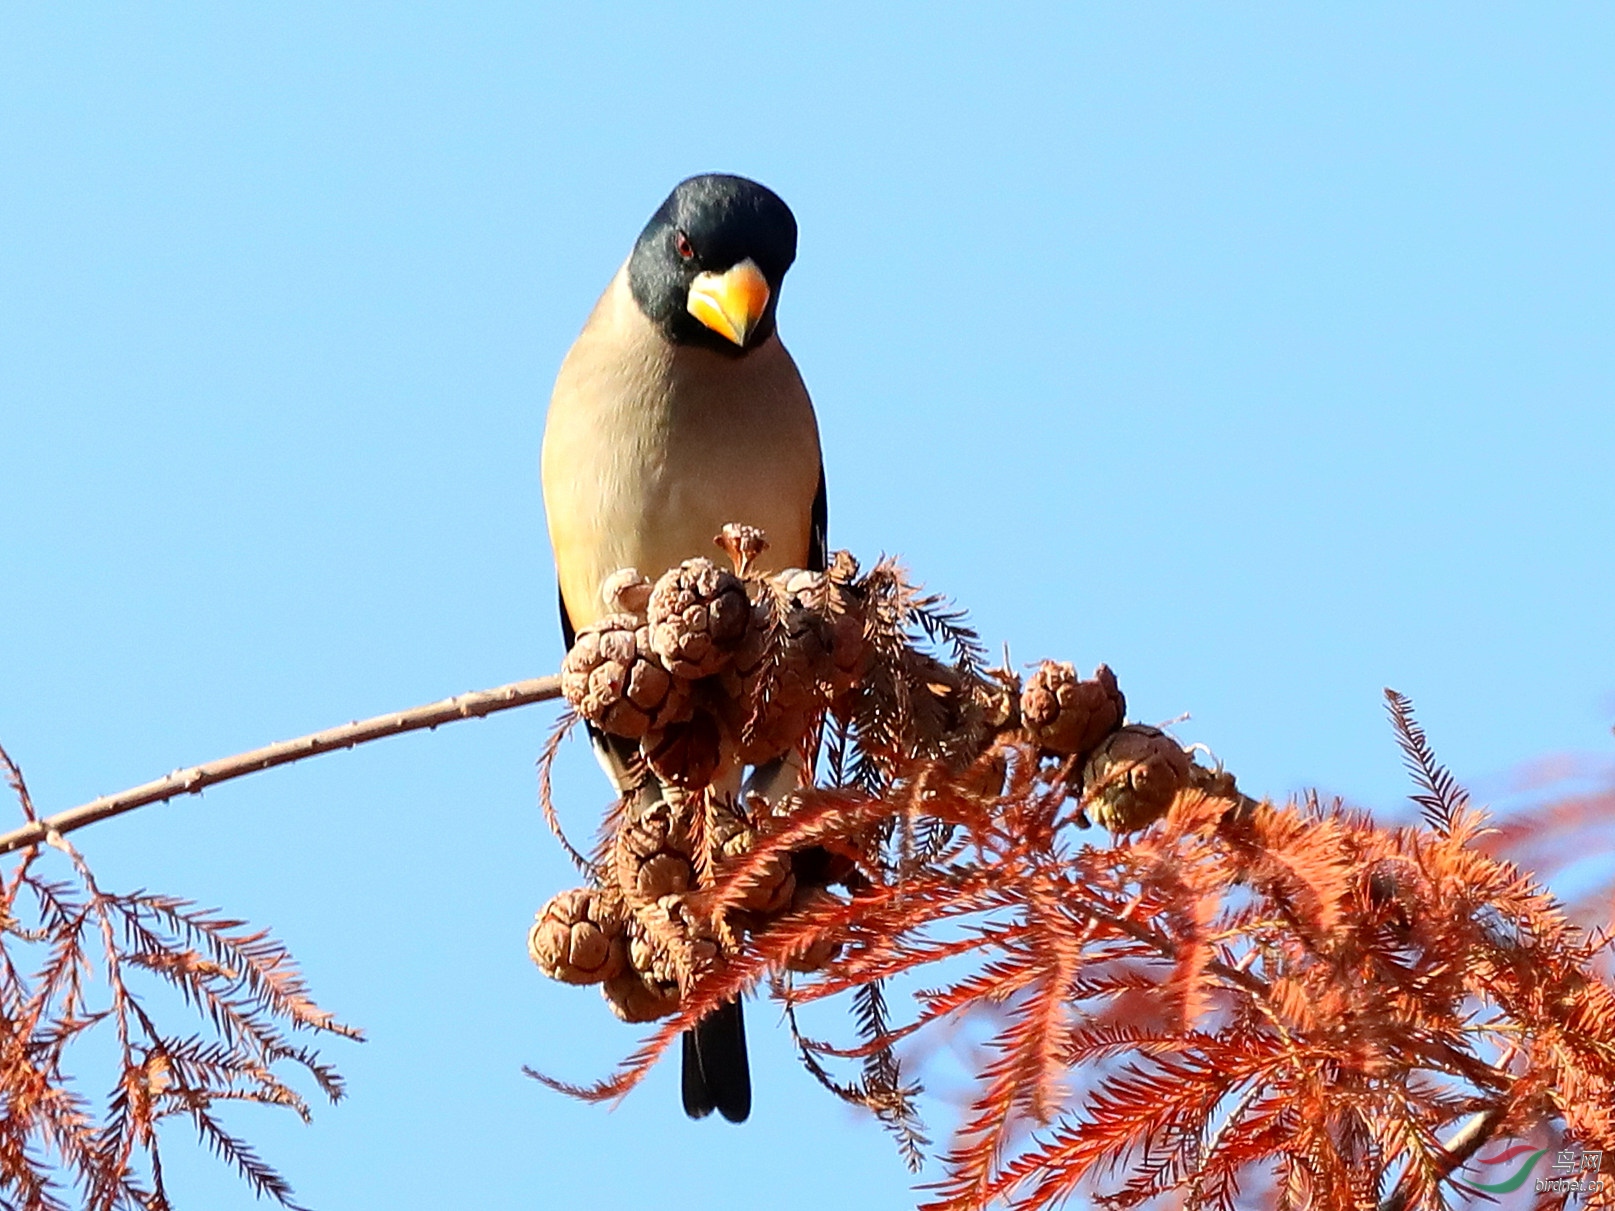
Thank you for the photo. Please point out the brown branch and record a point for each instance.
(194, 780)
(1470, 1139)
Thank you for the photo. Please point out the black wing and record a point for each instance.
(569, 633)
(617, 753)
(819, 536)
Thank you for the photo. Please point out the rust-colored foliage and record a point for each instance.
(1241, 1000)
(59, 935)
(1229, 1003)
(1566, 836)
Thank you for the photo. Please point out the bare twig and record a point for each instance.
(194, 780)
(18, 783)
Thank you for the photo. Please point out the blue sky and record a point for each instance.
(1260, 352)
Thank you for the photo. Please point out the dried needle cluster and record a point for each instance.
(711, 670)
(1227, 1003)
(73, 959)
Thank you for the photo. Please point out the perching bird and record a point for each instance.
(676, 411)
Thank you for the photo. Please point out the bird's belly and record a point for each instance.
(644, 514)
(694, 513)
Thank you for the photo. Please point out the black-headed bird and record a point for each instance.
(677, 411)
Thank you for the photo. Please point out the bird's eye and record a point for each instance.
(681, 245)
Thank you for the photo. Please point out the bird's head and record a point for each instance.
(707, 268)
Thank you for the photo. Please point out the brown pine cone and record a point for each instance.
(817, 955)
(579, 937)
(1066, 715)
(651, 955)
(1132, 778)
(805, 589)
(651, 853)
(671, 942)
(771, 892)
(666, 945)
(786, 671)
(698, 614)
(687, 752)
(636, 998)
(986, 775)
(612, 679)
(851, 652)
(999, 693)
(790, 701)
(837, 627)
(626, 591)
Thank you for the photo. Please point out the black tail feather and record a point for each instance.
(716, 1074)
(697, 1101)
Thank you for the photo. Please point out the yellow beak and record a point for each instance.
(730, 303)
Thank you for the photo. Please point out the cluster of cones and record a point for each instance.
(709, 671)
(1126, 775)
(712, 670)
(642, 930)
